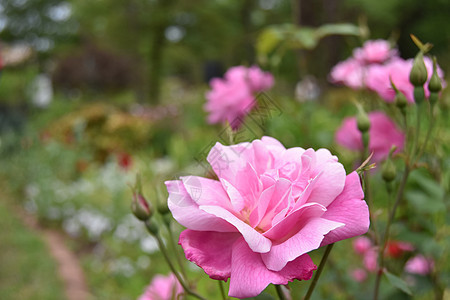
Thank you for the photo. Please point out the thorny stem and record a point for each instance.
(163, 249)
(280, 292)
(319, 271)
(386, 233)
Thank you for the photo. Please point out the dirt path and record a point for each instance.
(69, 269)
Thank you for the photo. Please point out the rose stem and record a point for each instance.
(388, 226)
(280, 292)
(319, 271)
(150, 227)
(222, 290)
(177, 254)
(368, 194)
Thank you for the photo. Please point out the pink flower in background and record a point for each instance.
(398, 69)
(359, 275)
(257, 79)
(270, 207)
(374, 51)
(362, 244)
(383, 133)
(349, 72)
(233, 97)
(372, 65)
(369, 252)
(420, 265)
(163, 288)
(364, 247)
(352, 71)
(228, 101)
(370, 259)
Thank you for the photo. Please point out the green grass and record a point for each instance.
(26, 269)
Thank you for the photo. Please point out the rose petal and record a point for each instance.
(349, 209)
(226, 161)
(249, 275)
(269, 207)
(307, 239)
(293, 222)
(256, 241)
(206, 191)
(186, 211)
(329, 184)
(209, 250)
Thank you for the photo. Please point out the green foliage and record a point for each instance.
(276, 39)
(15, 84)
(425, 195)
(398, 282)
(27, 270)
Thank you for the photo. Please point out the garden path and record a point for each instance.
(69, 268)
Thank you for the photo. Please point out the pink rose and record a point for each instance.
(257, 79)
(233, 97)
(383, 133)
(362, 244)
(270, 207)
(398, 69)
(163, 288)
(349, 72)
(359, 275)
(370, 259)
(374, 51)
(420, 265)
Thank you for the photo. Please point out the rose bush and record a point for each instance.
(378, 78)
(269, 208)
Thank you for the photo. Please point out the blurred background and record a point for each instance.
(91, 92)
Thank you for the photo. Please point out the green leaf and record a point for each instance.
(304, 37)
(425, 194)
(338, 29)
(397, 282)
(274, 40)
(268, 40)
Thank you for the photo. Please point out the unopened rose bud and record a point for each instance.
(389, 171)
(418, 75)
(362, 120)
(435, 85)
(400, 100)
(139, 205)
